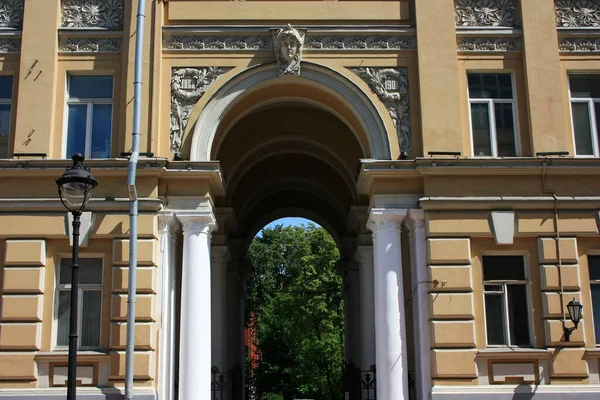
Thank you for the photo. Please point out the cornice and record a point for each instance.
(443, 203)
(53, 205)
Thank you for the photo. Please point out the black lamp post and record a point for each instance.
(574, 307)
(75, 188)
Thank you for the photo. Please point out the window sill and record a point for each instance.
(62, 355)
(513, 353)
(593, 353)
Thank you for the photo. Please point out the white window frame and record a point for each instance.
(504, 283)
(89, 114)
(81, 288)
(592, 120)
(9, 102)
(595, 253)
(492, 115)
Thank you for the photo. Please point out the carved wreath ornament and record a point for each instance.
(11, 14)
(187, 87)
(486, 13)
(577, 13)
(391, 86)
(92, 14)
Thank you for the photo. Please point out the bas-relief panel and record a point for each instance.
(107, 14)
(577, 13)
(11, 14)
(486, 13)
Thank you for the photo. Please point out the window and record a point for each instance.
(89, 116)
(493, 118)
(90, 302)
(585, 111)
(594, 267)
(506, 304)
(6, 84)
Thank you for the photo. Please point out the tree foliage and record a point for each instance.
(296, 297)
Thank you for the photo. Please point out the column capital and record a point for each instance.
(196, 221)
(415, 220)
(220, 255)
(364, 254)
(385, 219)
(167, 223)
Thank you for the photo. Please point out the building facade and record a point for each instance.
(450, 147)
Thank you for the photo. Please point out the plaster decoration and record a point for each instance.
(11, 14)
(89, 45)
(187, 87)
(92, 14)
(570, 44)
(577, 13)
(288, 44)
(10, 45)
(492, 43)
(486, 13)
(217, 42)
(391, 86)
(364, 255)
(382, 42)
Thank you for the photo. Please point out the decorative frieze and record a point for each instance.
(486, 13)
(11, 14)
(489, 43)
(578, 44)
(89, 45)
(10, 45)
(391, 87)
(187, 87)
(106, 14)
(577, 13)
(311, 43)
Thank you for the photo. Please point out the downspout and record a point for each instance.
(131, 188)
(558, 255)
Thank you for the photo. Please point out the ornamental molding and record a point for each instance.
(364, 255)
(288, 43)
(11, 14)
(311, 43)
(107, 14)
(89, 45)
(579, 44)
(10, 45)
(489, 43)
(188, 85)
(193, 222)
(391, 87)
(486, 13)
(577, 13)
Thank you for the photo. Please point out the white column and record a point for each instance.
(416, 234)
(219, 258)
(390, 326)
(364, 257)
(195, 334)
(168, 231)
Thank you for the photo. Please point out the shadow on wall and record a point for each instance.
(524, 391)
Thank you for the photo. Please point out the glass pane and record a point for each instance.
(518, 318)
(90, 319)
(481, 129)
(597, 115)
(91, 87)
(505, 130)
(90, 271)
(594, 267)
(584, 86)
(503, 268)
(6, 84)
(493, 288)
(582, 129)
(64, 305)
(4, 129)
(494, 319)
(76, 129)
(495, 86)
(101, 124)
(596, 310)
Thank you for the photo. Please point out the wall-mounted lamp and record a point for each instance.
(574, 308)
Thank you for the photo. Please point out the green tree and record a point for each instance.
(296, 297)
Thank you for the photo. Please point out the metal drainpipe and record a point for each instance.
(131, 188)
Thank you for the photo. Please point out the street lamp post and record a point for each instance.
(75, 188)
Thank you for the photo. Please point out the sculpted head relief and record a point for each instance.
(288, 50)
